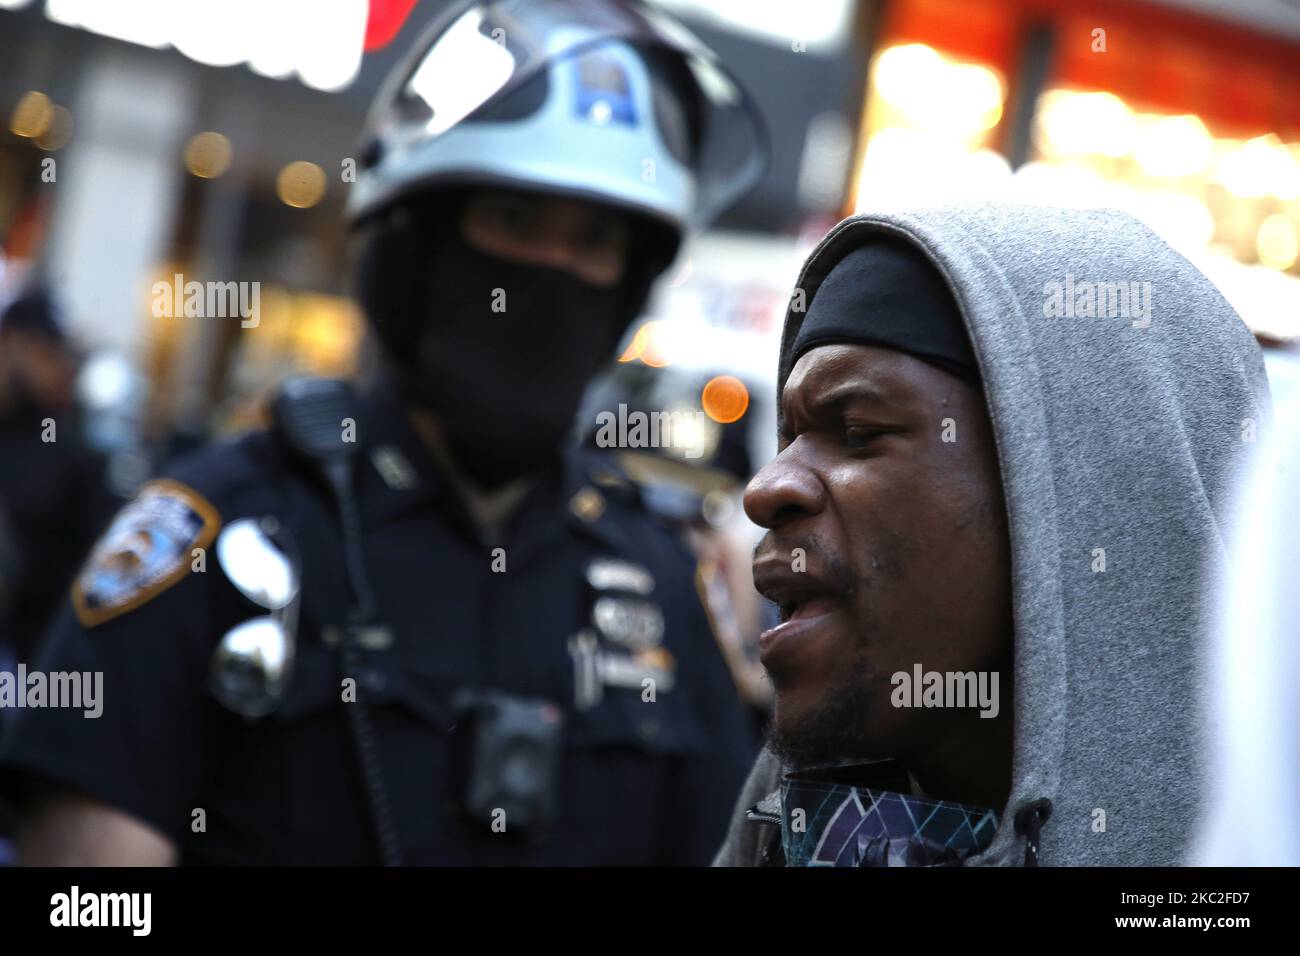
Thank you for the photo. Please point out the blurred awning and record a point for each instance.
(385, 21)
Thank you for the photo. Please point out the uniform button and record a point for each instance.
(588, 504)
(373, 680)
(649, 729)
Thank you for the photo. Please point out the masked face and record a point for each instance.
(504, 355)
(513, 305)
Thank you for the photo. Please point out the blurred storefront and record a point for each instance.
(1184, 113)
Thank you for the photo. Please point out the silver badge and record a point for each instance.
(610, 574)
(631, 622)
(619, 670)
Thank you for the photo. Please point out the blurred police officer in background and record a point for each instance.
(53, 496)
(695, 479)
(51, 485)
(415, 625)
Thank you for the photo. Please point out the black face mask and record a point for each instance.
(501, 354)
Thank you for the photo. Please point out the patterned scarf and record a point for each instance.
(855, 816)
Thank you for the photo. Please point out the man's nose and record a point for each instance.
(784, 489)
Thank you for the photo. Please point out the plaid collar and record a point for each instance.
(857, 816)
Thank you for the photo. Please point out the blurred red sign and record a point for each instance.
(385, 22)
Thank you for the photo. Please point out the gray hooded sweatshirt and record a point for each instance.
(1124, 393)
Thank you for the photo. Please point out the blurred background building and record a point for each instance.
(147, 138)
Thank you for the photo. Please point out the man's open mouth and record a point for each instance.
(805, 606)
(802, 598)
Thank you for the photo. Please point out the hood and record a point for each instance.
(1123, 392)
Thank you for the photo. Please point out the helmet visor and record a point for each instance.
(478, 55)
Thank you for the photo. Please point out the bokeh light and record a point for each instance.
(1174, 146)
(1277, 242)
(32, 116)
(207, 155)
(57, 132)
(725, 399)
(300, 184)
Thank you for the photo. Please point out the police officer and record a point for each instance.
(415, 626)
(53, 495)
(52, 487)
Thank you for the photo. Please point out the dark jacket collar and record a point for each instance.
(581, 490)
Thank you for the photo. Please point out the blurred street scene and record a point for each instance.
(212, 140)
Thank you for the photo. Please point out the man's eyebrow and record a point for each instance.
(849, 392)
(836, 397)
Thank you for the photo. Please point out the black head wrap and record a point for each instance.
(887, 293)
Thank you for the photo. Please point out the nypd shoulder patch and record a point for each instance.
(146, 550)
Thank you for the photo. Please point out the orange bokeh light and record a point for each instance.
(725, 399)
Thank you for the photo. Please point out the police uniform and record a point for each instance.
(589, 605)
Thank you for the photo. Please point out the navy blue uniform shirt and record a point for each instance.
(640, 781)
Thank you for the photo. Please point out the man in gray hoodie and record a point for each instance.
(1008, 441)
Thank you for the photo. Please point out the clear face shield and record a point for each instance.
(478, 56)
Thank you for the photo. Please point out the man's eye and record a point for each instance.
(856, 436)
